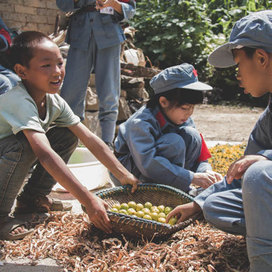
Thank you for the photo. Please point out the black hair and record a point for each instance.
(23, 45)
(178, 97)
(249, 51)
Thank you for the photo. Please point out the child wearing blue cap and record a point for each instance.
(241, 203)
(159, 143)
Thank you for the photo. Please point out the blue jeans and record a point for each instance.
(106, 65)
(16, 159)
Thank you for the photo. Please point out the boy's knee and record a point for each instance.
(191, 135)
(171, 143)
(257, 176)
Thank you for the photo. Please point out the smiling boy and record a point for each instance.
(241, 203)
(37, 126)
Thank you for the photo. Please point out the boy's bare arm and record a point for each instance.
(104, 155)
(57, 168)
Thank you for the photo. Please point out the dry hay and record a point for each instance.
(68, 238)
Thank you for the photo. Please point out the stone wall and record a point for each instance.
(25, 15)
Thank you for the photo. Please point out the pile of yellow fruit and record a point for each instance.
(146, 211)
(224, 155)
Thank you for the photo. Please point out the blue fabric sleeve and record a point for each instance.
(203, 167)
(142, 145)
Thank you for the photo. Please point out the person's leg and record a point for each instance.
(40, 184)
(78, 68)
(193, 144)
(15, 162)
(107, 78)
(224, 207)
(257, 197)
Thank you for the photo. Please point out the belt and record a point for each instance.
(89, 8)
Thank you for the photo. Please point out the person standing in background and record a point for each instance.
(95, 36)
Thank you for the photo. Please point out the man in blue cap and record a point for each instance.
(241, 203)
(160, 143)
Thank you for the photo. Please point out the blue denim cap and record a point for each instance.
(179, 76)
(253, 30)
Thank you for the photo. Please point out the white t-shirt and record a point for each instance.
(18, 111)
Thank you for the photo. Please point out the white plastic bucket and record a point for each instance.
(87, 169)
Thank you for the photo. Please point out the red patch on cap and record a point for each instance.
(195, 72)
(160, 119)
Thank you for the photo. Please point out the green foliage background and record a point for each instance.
(174, 31)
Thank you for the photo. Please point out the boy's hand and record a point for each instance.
(183, 212)
(132, 180)
(206, 179)
(97, 213)
(238, 168)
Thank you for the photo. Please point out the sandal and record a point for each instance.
(10, 224)
(41, 204)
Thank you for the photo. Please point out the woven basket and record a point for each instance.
(138, 227)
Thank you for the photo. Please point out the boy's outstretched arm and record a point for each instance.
(56, 167)
(104, 155)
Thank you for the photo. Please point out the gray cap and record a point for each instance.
(253, 30)
(179, 76)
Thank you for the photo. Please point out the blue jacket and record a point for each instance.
(135, 146)
(104, 28)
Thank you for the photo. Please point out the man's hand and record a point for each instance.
(238, 168)
(132, 180)
(97, 213)
(206, 179)
(183, 212)
(115, 4)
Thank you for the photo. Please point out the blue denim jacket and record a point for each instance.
(136, 145)
(104, 28)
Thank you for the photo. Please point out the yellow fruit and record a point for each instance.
(161, 208)
(161, 220)
(172, 221)
(168, 210)
(131, 211)
(123, 211)
(146, 211)
(117, 206)
(132, 204)
(140, 214)
(139, 206)
(114, 210)
(154, 209)
(124, 206)
(154, 216)
(147, 216)
(148, 205)
(161, 214)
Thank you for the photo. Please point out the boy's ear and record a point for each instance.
(262, 57)
(20, 70)
(163, 102)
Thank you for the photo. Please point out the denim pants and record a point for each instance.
(16, 160)
(106, 65)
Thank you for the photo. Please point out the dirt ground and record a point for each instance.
(225, 123)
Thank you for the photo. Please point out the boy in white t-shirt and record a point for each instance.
(38, 126)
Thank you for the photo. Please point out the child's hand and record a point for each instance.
(132, 180)
(238, 168)
(96, 211)
(204, 180)
(183, 212)
(217, 176)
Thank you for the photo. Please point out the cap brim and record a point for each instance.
(222, 56)
(198, 86)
